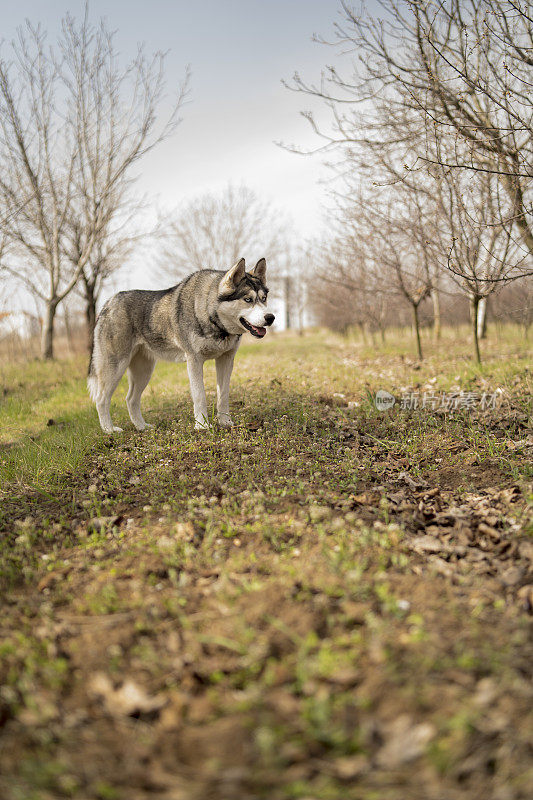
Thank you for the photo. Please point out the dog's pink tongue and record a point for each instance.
(260, 331)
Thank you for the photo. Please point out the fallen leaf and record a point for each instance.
(512, 576)
(349, 767)
(184, 530)
(404, 742)
(525, 549)
(430, 544)
(486, 692)
(99, 524)
(50, 579)
(413, 483)
(128, 700)
(525, 595)
(345, 677)
(487, 530)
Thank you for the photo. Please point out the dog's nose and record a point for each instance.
(269, 319)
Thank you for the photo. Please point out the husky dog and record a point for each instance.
(202, 317)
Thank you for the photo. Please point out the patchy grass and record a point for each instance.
(327, 601)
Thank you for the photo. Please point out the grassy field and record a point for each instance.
(327, 602)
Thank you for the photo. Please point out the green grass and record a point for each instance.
(35, 454)
(266, 582)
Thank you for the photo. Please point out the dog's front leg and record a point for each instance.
(224, 369)
(195, 369)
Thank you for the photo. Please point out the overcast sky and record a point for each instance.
(238, 51)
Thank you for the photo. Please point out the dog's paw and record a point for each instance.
(116, 429)
(144, 427)
(201, 425)
(225, 422)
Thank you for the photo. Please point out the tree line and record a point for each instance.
(431, 133)
(429, 139)
(74, 124)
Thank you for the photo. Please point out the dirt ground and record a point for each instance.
(326, 602)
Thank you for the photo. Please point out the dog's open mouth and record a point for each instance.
(254, 329)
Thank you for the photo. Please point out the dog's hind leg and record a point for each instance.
(139, 373)
(108, 378)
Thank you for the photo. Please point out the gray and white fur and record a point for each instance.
(202, 317)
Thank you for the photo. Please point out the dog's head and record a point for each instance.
(243, 300)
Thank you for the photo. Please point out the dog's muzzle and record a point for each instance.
(256, 330)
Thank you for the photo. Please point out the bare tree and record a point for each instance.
(38, 163)
(116, 123)
(334, 295)
(214, 230)
(473, 78)
(300, 263)
(389, 235)
(111, 252)
(401, 244)
(73, 125)
(514, 303)
(436, 96)
(346, 288)
(460, 73)
(480, 250)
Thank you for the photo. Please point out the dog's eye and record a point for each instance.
(248, 300)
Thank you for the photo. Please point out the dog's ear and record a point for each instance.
(232, 277)
(260, 270)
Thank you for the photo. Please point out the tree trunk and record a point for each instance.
(301, 306)
(47, 332)
(68, 330)
(287, 288)
(482, 318)
(90, 315)
(436, 314)
(416, 323)
(474, 306)
(514, 191)
(382, 331)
